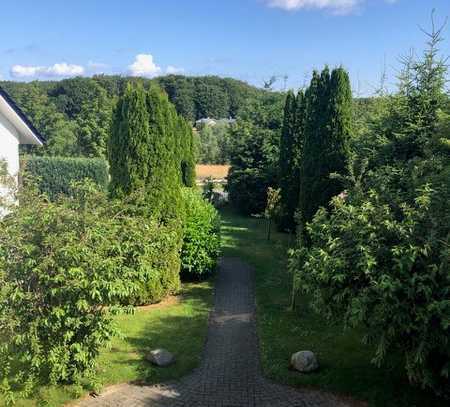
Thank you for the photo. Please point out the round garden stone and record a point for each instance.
(304, 361)
(160, 357)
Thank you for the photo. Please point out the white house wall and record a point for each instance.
(9, 145)
(9, 151)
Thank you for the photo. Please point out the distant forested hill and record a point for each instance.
(74, 114)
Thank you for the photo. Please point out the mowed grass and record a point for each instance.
(179, 325)
(346, 367)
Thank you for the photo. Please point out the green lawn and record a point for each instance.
(345, 363)
(177, 326)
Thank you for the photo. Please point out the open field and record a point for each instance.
(216, 172)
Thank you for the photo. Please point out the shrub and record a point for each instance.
(386, 269)
(201, 239)
(248, 190)
(66, 267)
(54, 175)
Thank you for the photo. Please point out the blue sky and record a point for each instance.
(246, 39)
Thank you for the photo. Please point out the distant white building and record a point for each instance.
(15, 129)
(212, 122)
(205, 122)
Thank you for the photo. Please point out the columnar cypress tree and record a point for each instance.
(164, 177)
(340, 113)
(291, 146)
(144, 150)
(286, 160)
(310, 153)
(128, 145)
(327, 129)
(187, 153)
(297, 151)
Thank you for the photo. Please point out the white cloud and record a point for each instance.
(143, 65)
(341, 6)
(336, 6)
(20, 71)
(57, 70)
(173, 70)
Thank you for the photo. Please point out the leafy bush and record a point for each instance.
(388, 272)
(54, 175)
(201, 241)
(66, 267)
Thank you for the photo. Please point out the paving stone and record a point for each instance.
(229, 374)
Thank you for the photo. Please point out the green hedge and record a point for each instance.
(54, 175)
(201, 236)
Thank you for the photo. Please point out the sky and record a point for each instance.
(251, 40)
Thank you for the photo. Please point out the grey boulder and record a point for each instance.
(304, 361)
(160, 357)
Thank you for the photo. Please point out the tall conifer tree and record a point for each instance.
(327, 129)
(187, 153)
(340, 113)
(144, 150)
(164, 178)
(291, 146)
(286, 160)
(128, 145)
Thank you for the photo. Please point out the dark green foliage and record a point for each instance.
(59, 131)
(211, 101)
(291, 144)
(254, 153)
(327, 131)
(181, 93)
(253, 170)
(187, 153)
(54, 175)
(248, 189)
(208, 96)
(201, 236)
(94, 125)
(65, 269)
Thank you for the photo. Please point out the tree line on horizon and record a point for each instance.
(75, 114)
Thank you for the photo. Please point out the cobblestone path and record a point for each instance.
(230, 373)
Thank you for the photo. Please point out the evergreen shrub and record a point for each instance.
(54, 175)
(201, 241)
